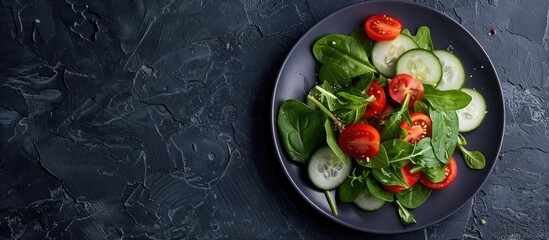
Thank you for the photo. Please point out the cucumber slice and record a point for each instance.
(421, 64)
(386, 53)
(325, 169)
(367, 201)
(453, 74)
(471, 116)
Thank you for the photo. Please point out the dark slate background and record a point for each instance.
(149, 119)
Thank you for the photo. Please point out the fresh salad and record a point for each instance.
(385, 118)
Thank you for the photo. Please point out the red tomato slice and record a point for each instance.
(451, 173)
(382, 27)
(374, 108)
(359, 140)
(420, 129)
(410, 178)
(404, 84)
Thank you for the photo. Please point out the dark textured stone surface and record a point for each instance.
(148, 119)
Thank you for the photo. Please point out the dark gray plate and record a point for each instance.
(297, 76)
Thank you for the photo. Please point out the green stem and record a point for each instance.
(416, 169)
(323, 109)
(331, 202)
(326, 93)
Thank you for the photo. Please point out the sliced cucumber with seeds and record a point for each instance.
(386, 53)
(367, 201)
(421, 64)
(326, 170)
(453, 74)
(471, 116)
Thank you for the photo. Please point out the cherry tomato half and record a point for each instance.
(404, 84)
(359, 140)
(374, 108)
(410, 178)
(382, 27)
(421, 127)
(451, 173)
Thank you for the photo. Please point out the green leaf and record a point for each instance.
(474, 159)
(422, 37)
(435, 174)
(413, 197)
(392, 127)
(445, 133)
(380, 160)
(300, 129)
(332, 142)
(349, 190)
(421, 107)
(405, 216)
(344, 51)
(351, 114)
(446, 100)
(427, 159)
(335, 76)
(360, 35)
(382, 80)
(364, 82)
(377, 190)
(389, 176)
(398, 151)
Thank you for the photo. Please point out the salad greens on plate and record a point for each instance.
(385, 118)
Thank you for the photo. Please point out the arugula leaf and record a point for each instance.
(405, 216)
(349, 190)
(392, 127)
(413, 197)
(422, 37)
(445, 133)
(345, 52)
(336, 77)
(446, 100)
(380, 160)
(378, 191)
(300, 128)
(332, 142)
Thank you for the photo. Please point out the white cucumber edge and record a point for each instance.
(448, 59)
(317, 177)
(430, 61)
(379, 53)
(476, 108)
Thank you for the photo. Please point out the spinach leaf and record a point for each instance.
(422, 37)
(392, 127)
(377, 190)
(435, 174)
(446, 100)
(332, 142)
(405, 216)
(380, 160)
(354, 108)
(413, 197)
(382, 80)
(445, 133)
(349, 190)
(345, 52)
(390, 176)
(336, 77)
(398, 151)
(360, 35)
(301, 129)
(473, 159)
(364, 82)
(421, 107)
(427, 159)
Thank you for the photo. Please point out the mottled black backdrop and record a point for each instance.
(149, 119)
